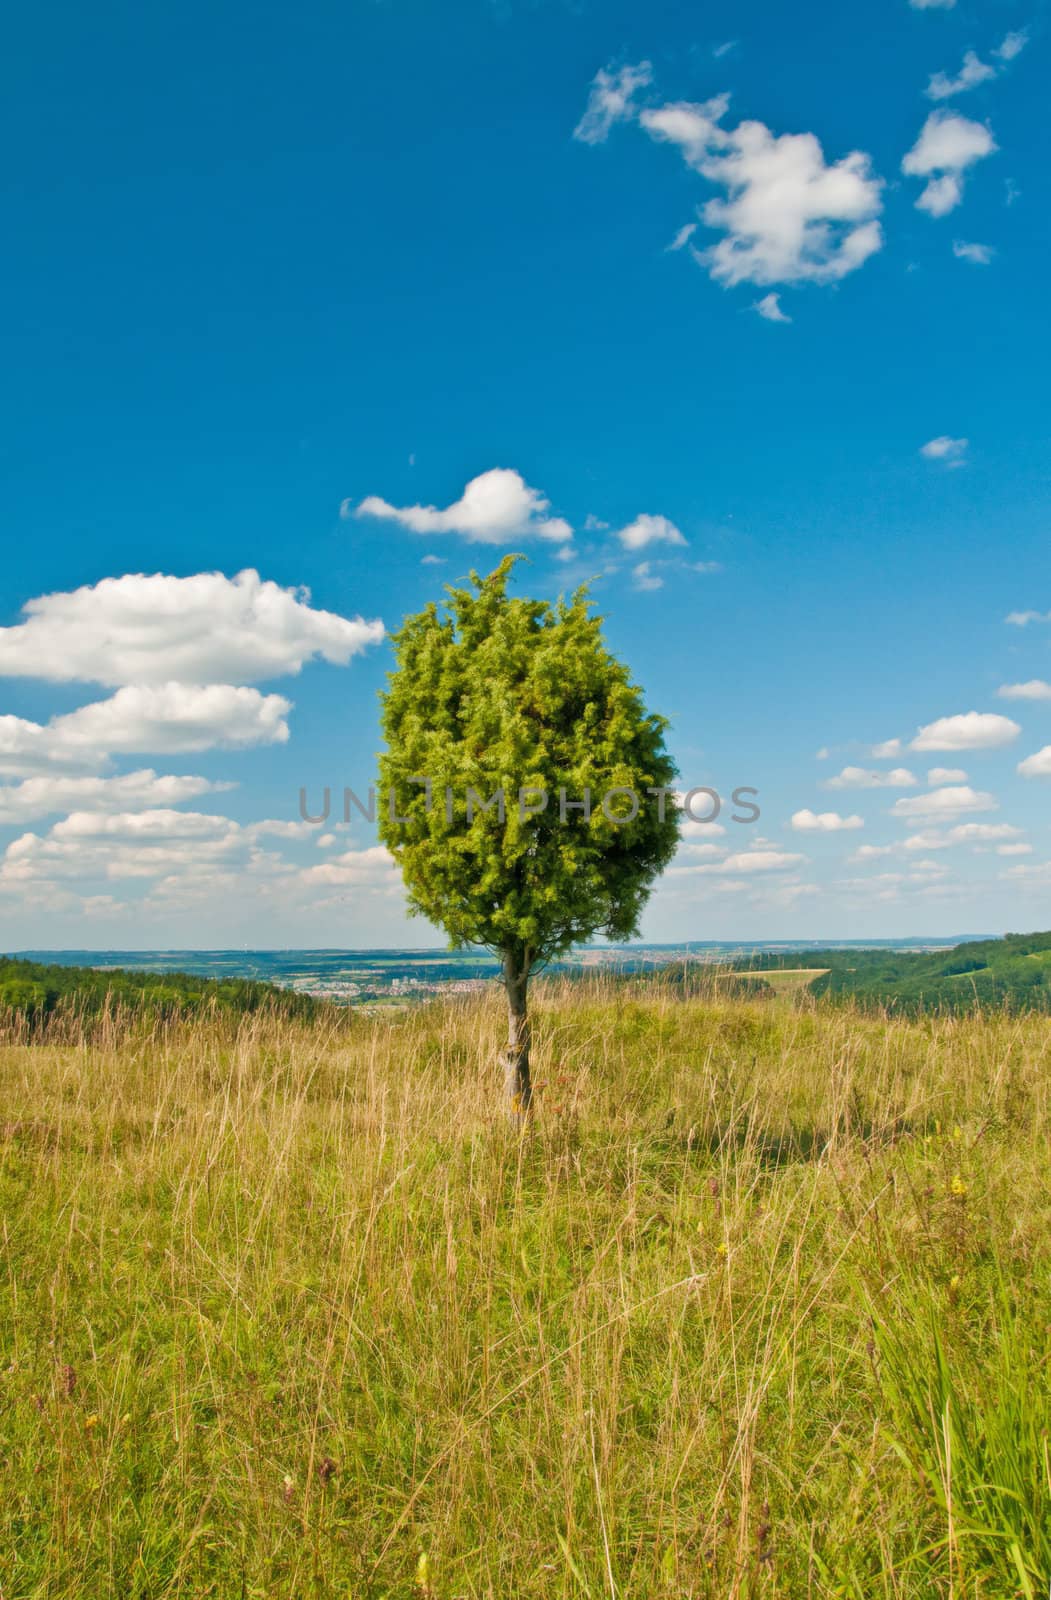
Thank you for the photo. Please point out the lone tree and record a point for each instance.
(503, 719)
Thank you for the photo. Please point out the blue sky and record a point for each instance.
(746, 303)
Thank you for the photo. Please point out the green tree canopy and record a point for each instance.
(497, 696)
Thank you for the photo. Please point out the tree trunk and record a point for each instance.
(516, 1059)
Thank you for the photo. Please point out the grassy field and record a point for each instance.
(759, 1306)
(784, 981)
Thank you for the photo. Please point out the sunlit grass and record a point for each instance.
(760, 1305)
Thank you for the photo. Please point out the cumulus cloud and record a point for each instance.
(89, 845)
(1022, 619)
(373, 867)
(166, 718)
(1012, 45)
(1037, 765)
(887, 750)
(643, 577)
(973, 72)
(184, 859)
(787, 215)
(824, 822)
(955, 800)
(870, 852)
(979, 255)
(495, 507)
(173, 717)
(769, 307)
(973, 833)
(973, 730)
(932, 5)
(951, 451)
(1032, 689)
(647, 530)
(947, 146)
(866, 778)
(144, 790)
(940, 775)
(141, 629)
(754, 861)
(982, 832)
(611, 100)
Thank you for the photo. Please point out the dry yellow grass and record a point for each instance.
(291, 1311)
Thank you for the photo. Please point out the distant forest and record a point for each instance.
(1013, 973)
(36, 990)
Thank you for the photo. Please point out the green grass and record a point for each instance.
(759, 1306)
(784, 981)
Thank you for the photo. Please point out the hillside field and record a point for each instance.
(759, 1305)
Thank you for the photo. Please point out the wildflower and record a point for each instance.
(957, 1134)
(326, 1468)
(422, 1581)
(287, 1489)
(722, 1249)
(958, 1187)
(91, 1422)
(954, 1283)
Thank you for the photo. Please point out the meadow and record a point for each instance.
(758, 1305)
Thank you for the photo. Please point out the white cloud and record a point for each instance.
(1037, 873)
(91, 845)
(1032, 689)
(184, 859)
(824, 822)
(684, 235)
(611, 100)
(981, 832)
(948, 144)
(973, 730)
(866, 778)
(1020, 849)
(932, 5)
(1012, 45)
(787, 216)
(870, 852)
(172, 717)
(953, 801)
(972, 72)
(979, 255)
(432, 561)
(43, 797)
(1022, 619)
(950, 451)
(770, 308)
(887, 750)
(750, 861)
(643, 577)
(1037, 765)
(940, 775)
(647, 530)
(166, 718)
(973, 833)
(373, 866)
(494, 508)
(140, 629)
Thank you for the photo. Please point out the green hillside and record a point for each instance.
(1013, 973)
(35, 990)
